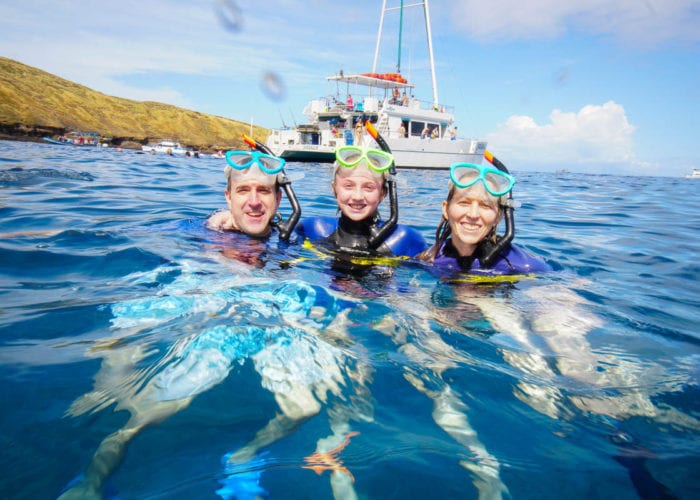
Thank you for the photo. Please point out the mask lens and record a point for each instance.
(497, 183)
(239, 159)
(464, 175)
(348, 156)
(270, 164)
(379, 160)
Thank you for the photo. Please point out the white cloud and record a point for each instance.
(590, 139)
(645, 22)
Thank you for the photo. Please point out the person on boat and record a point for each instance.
(435, 132)
(404, 99)
(478, 197)
(453, 134)
(402, 130)
(359, 132)
(362, 178)
(349, 103)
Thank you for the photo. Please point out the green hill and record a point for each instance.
(34, 103)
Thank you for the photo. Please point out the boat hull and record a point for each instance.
(435, 154)
(318, 155)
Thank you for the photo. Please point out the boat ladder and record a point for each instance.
(383, 125)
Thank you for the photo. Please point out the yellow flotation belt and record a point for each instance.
(352, 259)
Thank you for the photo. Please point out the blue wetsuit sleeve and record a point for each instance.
(525, 263)
(316, 228)
(406, 241)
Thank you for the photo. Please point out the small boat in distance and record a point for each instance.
(421, 134)
(695, 174)
(167, 147)
(77, 139)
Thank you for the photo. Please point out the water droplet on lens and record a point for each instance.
(273, 86)
(229, 14)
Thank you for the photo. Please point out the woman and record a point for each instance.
(466, 238)
(561, 371)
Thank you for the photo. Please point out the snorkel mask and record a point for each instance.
(264, 166)
(389, 167)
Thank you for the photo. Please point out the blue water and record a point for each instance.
(114, 302)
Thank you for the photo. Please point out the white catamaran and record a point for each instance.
(420, 134)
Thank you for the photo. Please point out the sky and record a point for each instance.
(599, 86)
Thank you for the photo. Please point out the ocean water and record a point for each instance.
(124, 322)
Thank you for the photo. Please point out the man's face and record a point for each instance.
(253, 204)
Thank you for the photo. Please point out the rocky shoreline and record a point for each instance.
(28, 133)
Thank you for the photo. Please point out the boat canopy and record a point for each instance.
(379, 80)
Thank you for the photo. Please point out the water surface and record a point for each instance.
(114, 300)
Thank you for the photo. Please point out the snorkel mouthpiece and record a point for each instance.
(508, 213)
(378, 237)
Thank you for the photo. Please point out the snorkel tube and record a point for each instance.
(492, 251)
(285, 228)
(378, 236)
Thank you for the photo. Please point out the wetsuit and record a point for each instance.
(347, 235)
(511, 260)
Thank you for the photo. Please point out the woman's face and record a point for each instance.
(358, 191)
(471, 213)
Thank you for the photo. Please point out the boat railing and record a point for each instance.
(368, 103)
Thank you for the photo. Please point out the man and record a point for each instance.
(254, 184)
(253, 197)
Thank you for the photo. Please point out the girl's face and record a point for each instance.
(471, 213)
(358, 190)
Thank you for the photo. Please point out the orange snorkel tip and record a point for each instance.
(372, 131)
(250, 141)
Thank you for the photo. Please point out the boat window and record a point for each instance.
(417, 128)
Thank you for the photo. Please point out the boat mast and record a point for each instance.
(430, 50)
(379, 38)
(398, 61)
(426, 15)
